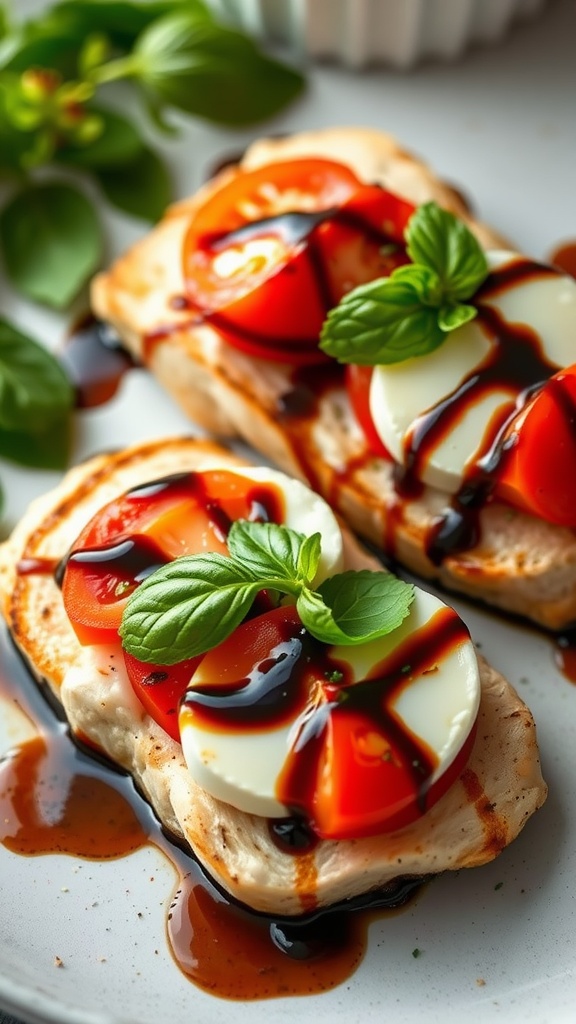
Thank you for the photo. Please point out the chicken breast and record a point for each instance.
(520, 563)
(484, 810)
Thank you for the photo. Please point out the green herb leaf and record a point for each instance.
(121, 20)
(141, 188)
(451, 317)
(367, 604)
(119, 143)
(45, 449)
(36, 46)
(34, 389)
(411, 312)
(211, 71)
(438, 239)
(187, 607)
(194, 603)
(309, 558)
(384, 321)
(51, 241)
(265, 550)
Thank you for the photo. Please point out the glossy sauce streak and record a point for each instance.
(514, 364)
(293, 681)
(134, 557)
(564, 257)
(95, 362)
(57, 796)
(372, 701)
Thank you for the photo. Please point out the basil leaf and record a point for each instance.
(367, 604)
(438, 239)
(45, 449)
(384, 321)
(51, 241)
(423, 281)
(141, 188)
(14, 144)
(36, 46)
(309, 558)
(186, 607)
(452, 317)
(266, 550)
(211, 71)
(34, 389)
(353, 608)
(121, 20)
(119, 143)
(318, 619)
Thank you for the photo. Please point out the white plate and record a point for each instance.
(502, 125)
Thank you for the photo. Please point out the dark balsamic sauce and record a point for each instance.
(57, 795)
(95, 362)
(564, 257)
(514, 364)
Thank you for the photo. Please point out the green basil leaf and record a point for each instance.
(119, 143)
(309, 558)
(439, 240)
(367, 604)
(121, 20)
(47, 449)
(423, 281)
(266, 550)
(318, 619)
(211, 71)
(186, 607)
(34, 389)
(452, 317)
(141, 188)
(383, 321)
(51, 241)
(14, 144)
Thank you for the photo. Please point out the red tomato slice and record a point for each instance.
(358, 379)
(365, 241)
(245, 660)
(536, 473)
(267, 285)
(343, 773)
(147, 527)
(161, 688)
(300, 184)
(362, 785)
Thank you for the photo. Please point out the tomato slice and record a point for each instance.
(358, 379)
(536, 472)
(300, 184)
(161, 688)
(134, 534)
(365, 241)
(363, 784)
(271, 252)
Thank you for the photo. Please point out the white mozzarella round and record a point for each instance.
(402, 392)
(438, 706)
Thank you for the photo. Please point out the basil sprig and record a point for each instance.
(411, 312)
(172, 55)
(190, 605)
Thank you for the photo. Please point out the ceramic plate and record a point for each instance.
(496, 943)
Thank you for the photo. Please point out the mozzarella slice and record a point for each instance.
(402, 392)
(438, 706)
